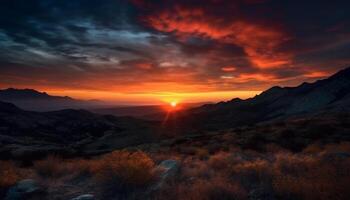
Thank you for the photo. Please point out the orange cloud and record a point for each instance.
(245, 77)
(317, 74)
(259, 42)
(228, 69)
(145, 66)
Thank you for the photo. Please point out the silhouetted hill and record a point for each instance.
(30, 99)
(328, 95)
(149, 112)
(29, 133)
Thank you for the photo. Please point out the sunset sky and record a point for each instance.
(146, 51)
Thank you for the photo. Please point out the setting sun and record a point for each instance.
(173, 104)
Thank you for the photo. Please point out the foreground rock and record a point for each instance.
(25, 189)
(84, 197)
(168, 169)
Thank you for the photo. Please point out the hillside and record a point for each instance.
(328, 95)
(71, 132)
(29, 99)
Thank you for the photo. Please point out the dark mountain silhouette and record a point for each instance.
(328, 95)
(29, 133)
(30, 99)
(80, 132)
(149, 112)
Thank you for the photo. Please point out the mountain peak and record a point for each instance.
(22, 93)
(30, 99)
(344, 73)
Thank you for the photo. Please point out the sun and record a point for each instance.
(173, 104)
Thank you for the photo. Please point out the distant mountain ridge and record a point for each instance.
(328, 95)
(34, 100)
(29, 134)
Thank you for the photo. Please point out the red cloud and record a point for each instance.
(259, 42)
(228, 69)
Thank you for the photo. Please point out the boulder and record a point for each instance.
(169, 168)
(260, 193)
(330, 157)
(84, 197)
(24, 189)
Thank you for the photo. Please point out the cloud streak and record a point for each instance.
(184, 46)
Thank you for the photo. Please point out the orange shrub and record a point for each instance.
(313, 148)
(341, 147)
(202, 189)
(131, 168)
(192, 167)
(202, 153)
(51, 167)
(257, 167)
(307, 177)
(219, 161)
(9, 174)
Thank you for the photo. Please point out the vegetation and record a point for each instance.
(319, 171)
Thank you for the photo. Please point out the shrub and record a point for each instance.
(202, 189)
(193, 168)
(219, 161)
(311, 177)
(9, 174)
(130, 168)
(202, 153)
(51, 167)
(252, 172)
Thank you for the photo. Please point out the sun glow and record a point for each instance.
(173, 104)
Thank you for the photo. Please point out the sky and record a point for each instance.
(148, 51)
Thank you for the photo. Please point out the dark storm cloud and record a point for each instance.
(214, 44)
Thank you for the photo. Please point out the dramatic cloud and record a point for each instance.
(259, 42)
(103, 48)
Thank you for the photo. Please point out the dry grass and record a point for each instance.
(219, 161)
(311, 174)
(51, 167)
(9, 174)
(311, 177)
(204, 189)
(134, 168)
(202, 153)
(319, 172)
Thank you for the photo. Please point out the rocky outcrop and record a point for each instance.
(85, 197)
(168, 169)
(328, 95)
(25, 189)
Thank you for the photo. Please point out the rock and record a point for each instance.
(336, 156)
(84, 197)
(261, 194)
(24, 189)
(169, 167)
(239, 157)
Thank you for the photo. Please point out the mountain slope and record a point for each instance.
(30, 99)
(28, 133)
(328, 95)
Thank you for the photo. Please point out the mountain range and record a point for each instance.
(81, 132)
(34, 100)
(30, 134)
(328, 95)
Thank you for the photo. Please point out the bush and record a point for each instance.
(130, 168)
(202, 153)
(204, 189)
(219, 161)
(51, 167)
(311, 177)
(9, 174)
